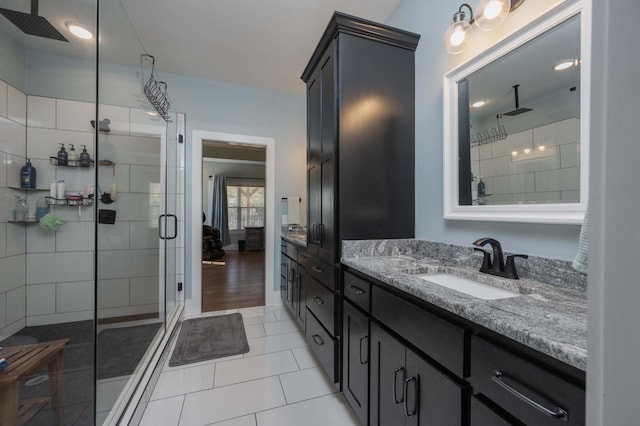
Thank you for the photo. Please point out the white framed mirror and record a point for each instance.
(523, 155)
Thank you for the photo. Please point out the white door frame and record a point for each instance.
(272, 297)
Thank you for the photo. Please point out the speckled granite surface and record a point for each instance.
(547, 317)
(297, 236)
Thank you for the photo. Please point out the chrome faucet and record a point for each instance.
(496, 265)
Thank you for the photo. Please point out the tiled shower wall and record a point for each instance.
(538, 165)
(13, 109)
(47, 277)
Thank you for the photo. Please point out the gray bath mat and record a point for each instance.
(207, 338)
(120, 349)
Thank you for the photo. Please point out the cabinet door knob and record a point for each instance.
(556, 412)
(355, 289)
(395, 388)
(364, 339)
(317, 269)
(318, 300)
(318, 339)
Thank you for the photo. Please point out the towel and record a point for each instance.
(581, 261)
(293, 210)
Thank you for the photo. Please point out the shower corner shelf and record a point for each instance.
(84, 202)
(17, 188)
(54, 161)
(24, 222)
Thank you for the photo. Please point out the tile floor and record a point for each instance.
(277, 383)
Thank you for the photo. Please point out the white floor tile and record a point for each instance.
(275, 343)
(108, 392)
(229, 402)
(184, 380)
(306, 384)
(254, 367)
(305, 357)
(280, 327)
(240, 421)
(250, 319)
(328, 410)
(283, 315)
(256, 330)
(165, 412)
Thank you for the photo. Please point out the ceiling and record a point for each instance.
(256, 43)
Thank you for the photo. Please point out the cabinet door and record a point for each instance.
(388, 376)
(430, 397)
(326, 229)
(355, 353)
(301, 310)
(314, 116)
(314, 188)
(328, 111)
(290, 282)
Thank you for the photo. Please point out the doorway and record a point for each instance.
(194, 302)
(233, 199)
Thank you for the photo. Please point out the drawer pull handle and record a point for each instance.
(282, 287)
(556, 413)
(356, 289)
(363, 339)
(318, 300)
(395, 381)
(317, 269)
(416, 393)
(318, 339)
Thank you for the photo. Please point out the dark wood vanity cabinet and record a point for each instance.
(360, 84)
(291, 281)
(428, 366)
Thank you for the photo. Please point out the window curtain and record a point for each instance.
(219, 210)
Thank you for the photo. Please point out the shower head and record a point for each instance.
(518, 110)
(32, 24)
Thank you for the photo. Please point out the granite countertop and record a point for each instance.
(295, 237)
(547, 318)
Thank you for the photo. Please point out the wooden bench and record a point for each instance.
(23, 361)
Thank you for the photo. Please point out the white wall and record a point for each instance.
(13, 113)
(431, 19)
(613, 376)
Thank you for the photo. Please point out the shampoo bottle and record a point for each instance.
(62, 156)
(28, 176)
(85, 159)
(73, 156)
(481, 187)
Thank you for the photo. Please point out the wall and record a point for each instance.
(546, 167)
(13, 113)
(432, 62)
(613, 376)
(209, 106)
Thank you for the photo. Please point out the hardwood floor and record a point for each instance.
(237, 284)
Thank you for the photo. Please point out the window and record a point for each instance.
(246, 206)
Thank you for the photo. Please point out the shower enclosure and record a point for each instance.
(97, 262)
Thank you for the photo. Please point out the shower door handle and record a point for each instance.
(160, 227)
(175, 226)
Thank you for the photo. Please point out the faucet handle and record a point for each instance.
(486, 260)
(510, 266)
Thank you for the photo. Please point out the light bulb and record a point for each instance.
(79, 31)
(456, 37)
(492, 13)
(493, 9)
(527, 150)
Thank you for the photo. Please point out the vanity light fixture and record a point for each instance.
(542, 148)
(79, 31)
(489, 15)
(478, 104)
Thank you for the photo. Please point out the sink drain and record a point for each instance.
(37, 380)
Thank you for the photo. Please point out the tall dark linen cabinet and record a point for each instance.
(360, 157)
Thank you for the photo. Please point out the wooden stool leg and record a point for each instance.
(9, 404)
(56, 368)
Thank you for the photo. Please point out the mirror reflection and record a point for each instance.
(522, 113)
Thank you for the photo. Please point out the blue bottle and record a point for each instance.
(28, 176)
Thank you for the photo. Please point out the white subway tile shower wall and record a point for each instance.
(533, 166)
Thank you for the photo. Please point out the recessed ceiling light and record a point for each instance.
(152, 113)
(565, 64)
(79, 31)
(478, 104)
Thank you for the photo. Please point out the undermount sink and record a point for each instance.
(467, 286)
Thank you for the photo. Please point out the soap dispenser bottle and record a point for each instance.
(62, 156)
(28, 176)
(73, 156)
(481, 187)
(85, 159)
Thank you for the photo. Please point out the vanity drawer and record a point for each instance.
(517, 385)
(436, 337)
(482, 415)
(292, 251)
(357, 291)
(323, 345)
(318, 269)
(321, 301)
